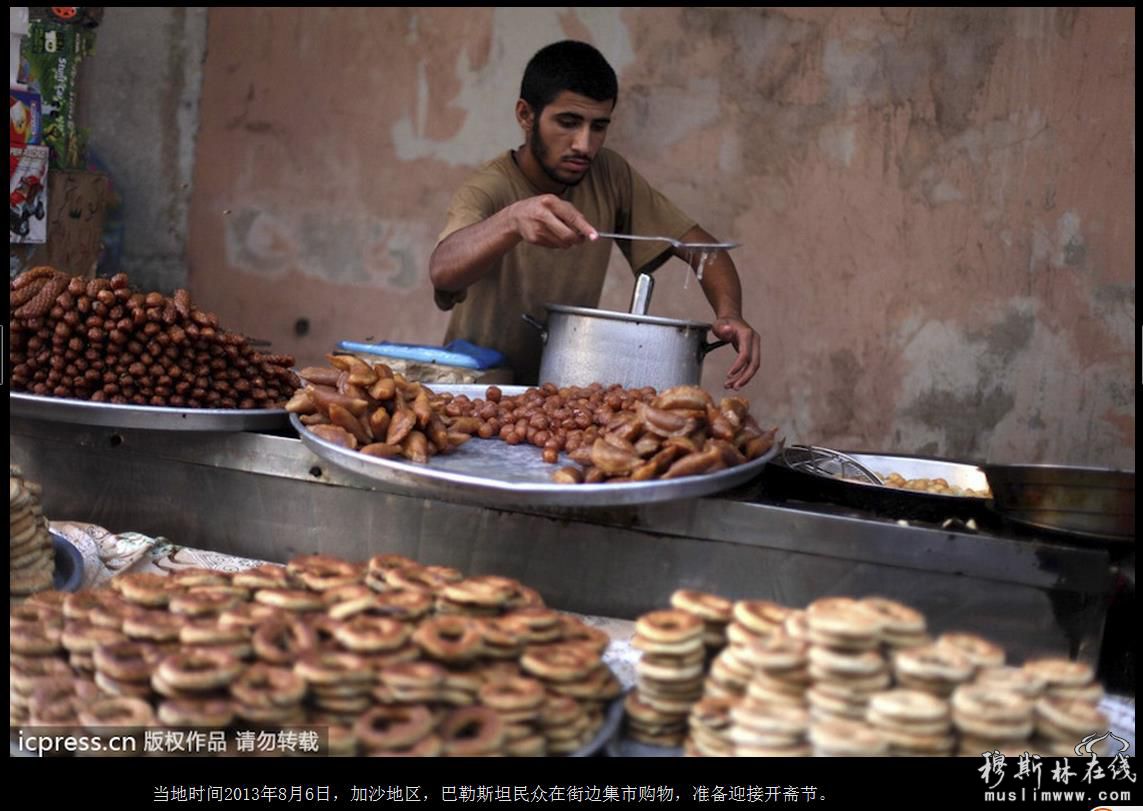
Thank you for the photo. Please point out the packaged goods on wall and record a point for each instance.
(17, 29)
(25, 124)
(51, 54)
(28, 194)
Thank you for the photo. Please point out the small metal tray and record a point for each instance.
(784, 479)
(957, 474)
(606, 734)
(153, 418)
(622, 746)
(68, 574)
(494, 472)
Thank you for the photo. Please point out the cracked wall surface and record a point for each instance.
(936, 205)
(137, 101)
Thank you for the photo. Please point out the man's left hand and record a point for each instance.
(749, 346)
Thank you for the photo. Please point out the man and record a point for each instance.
(521, 232)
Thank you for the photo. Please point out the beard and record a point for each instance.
(540, 152)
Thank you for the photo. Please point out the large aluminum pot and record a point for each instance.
(584, 346)
(1091, 502)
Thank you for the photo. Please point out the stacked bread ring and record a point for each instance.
(391, 656)
(715, 613)
(858, 677)
(669, 675)
(31, 559)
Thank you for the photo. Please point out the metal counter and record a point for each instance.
(266, 496)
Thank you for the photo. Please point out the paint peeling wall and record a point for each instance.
(138, 99)
(937, 205)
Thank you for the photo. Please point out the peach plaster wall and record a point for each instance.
(936, 206)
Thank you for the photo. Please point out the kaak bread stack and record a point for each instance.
(861, 677)
(31, 558)
(846, 664)
(391, 657)
(669, 676)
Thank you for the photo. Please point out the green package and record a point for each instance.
(50, 56)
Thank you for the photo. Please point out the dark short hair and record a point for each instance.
(567, 65)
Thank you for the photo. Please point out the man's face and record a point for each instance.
(567, 136)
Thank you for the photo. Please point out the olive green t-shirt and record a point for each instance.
(612, 197)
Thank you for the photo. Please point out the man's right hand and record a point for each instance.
(463, 257)
(548, 221)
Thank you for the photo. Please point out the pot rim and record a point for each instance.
(1060, 477)
(614, 315)
(1036, 467)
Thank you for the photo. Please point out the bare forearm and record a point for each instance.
(722, 288)
(466, 255)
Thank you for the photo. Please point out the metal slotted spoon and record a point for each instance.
(641, 297)
(690, 246)
(828, 462)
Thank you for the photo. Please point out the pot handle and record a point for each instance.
(705, 349)
(538, 325)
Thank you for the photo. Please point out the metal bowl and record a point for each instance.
(1088, 502)
(68, 574)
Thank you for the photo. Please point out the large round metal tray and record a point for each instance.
(494, 472)
(154, 418)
